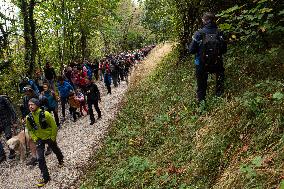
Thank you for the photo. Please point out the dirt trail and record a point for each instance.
(78, 141)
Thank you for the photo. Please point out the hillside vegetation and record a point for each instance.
(162, 139)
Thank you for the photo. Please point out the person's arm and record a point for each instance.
(195, 43)
(97, 92)
(51, 122)
(70, 87)
(223, 43)
(10, 109)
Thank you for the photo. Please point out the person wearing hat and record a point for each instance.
(29, 93)
(42, 130)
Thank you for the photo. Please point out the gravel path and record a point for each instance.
(78, 141)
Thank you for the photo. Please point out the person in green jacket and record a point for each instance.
(43, 130)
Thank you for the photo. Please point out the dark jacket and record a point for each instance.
(25, 107)
(92, 92)
(196, 45)
(7, 112)
(49, 73)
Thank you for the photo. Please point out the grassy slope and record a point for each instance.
(162, 140)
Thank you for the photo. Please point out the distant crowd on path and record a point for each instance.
(76, 88)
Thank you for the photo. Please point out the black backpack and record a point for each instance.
(211, 51)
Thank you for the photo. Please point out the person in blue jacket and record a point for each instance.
(196, 47)
(107, 80)
(64, 89)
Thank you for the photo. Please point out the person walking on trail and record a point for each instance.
(93, 98)
(29, 93)
(107, 81)
(7, 118)
(74, 103)
(64, 89)
(50, 75)
(51, 104)
(42, 130)
(208, 44)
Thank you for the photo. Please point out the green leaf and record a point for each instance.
(282, 184)
(278, 96)
(281, 12)
(262, 1)
(225, 26)
(257, 161)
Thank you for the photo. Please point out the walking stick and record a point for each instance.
(24, 126)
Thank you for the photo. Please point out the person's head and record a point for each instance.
(34, 104)
(78, 90)
(60, 79)
(208, 17)
(28, 90)
(72, 94)
(45, 86)
(47, 65)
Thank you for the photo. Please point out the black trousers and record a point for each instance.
(108, 89)
(90, 109)
(74, 113)
(41, 158)
(63, 103)
(202, 77)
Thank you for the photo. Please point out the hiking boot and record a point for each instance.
(42, 183)
(48, 151)
(92, 122)
(33, 161)
(12, 154)
(61, 163)
(2, 158)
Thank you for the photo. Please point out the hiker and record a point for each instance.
(51, 105)
(7, 118)
(28, 82)
(39, 79)
(82, 101)
(93, 98)
(50, 75)
(107, 80)
(74, 103)
(208, 44)
(42, 130)
(64, 88)
(29, 93)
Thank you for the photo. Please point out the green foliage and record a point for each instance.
(253, 22)
(234, 141)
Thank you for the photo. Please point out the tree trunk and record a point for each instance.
(33, 38)
(25, 15)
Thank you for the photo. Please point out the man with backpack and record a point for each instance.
(208, 44)
(43, 130)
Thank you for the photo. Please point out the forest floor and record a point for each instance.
(78, 141)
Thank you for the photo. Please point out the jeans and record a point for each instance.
(41, 159)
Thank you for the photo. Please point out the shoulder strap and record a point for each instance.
(31, 120)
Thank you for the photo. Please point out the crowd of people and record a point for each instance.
(75, 88)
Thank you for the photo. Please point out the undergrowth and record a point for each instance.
(162, 139)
